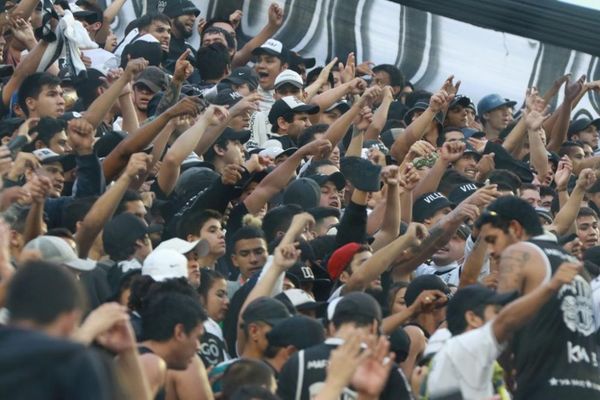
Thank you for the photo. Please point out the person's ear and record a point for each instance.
(344, 277)
(282, 123)
(191, 238)
(234, 260)
(179, 332)
(14, 238)
(30, 102)
(485, 116)
(289, 351)
(218, 150)
(284, 66)
(253, 332)
(473, 320)
(515, 229)
(575, 137)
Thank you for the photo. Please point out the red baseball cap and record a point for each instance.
(340, 259)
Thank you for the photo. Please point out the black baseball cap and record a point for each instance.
(177, 8)
(153, 78)
(304, 192)
(194, 180)
(227, 97)
(472, 133)
(267, 310)
(298, 331)
(242, 75)
(581, 124)
(337, 178)
(297, 59)
(463, 191)
(421, 106)
(422, 283)
(122, 231)
(356, 304)
(460, 100)
(400, 344)
(324, 212)
(289, 105)
(428, 204)
(47, 156)
(470, 298)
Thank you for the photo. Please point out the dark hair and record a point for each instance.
(192, 224)
(457, 324)
(245, 372)
(215, 20)
(396, 76)
(41, 291)
(151, 51)
(33, 85)
(504, 178)
(314, 166)
(247, 232)
(510, 208)
(164, 312)
(76, 211)
(210, 154)
(216, 30)
(566, 147)
(279, 219)
(146, 20)
(253, 392)
(547, 191)
(61, 233)
(529, 186)
(587, 212)
(213, 61)
(207, 279)
(130, 195)
(308, 135)
(314, 73)
(394, 289)
(46, 129)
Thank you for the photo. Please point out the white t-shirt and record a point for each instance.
(448, 273)
(466, 364)
(260, 127)
(267, 99)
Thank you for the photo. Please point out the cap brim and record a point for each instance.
(151, 85)
(81, 265)
(67, 161)
(307, 108)
(461, 101)
(272, 321)
(338, 179)
(309, 62)
(242, 136)
(314, 305)
(287, 152)
(291, 82)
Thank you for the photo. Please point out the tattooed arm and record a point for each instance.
(183, 69)
(522, 268)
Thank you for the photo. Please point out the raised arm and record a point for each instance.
(390, 228)
(34, 223)
(278, 179)
(538, 156)
(568, 213)
(107, 18)
(169, 171)
(558, 135)
(519, 312)
(381, 115)
(183, 69)
(382, 259)
(276, 17)
(130, 118)
(336, 131)
(101, 106)
(26, 67)
(142, 138)
(312, 89)
(449, 153)
(104, 208)
(413, 132)
(329, 97)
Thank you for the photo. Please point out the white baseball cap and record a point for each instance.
(163, 264)
(302, 300)
(183, 246)
(57, 250)
(291, 77)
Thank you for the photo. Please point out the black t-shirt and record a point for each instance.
(555, 353)
(303, 383)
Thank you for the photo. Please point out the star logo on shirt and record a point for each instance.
(553, 381)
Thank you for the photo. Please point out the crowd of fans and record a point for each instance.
(235, 222)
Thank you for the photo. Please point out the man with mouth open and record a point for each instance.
(271, 60)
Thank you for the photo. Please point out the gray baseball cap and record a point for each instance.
(57, 250)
